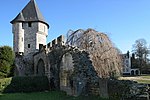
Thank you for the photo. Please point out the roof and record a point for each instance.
(30, 13)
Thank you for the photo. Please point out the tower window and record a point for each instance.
(22, 25)
(28, 45)
(29, 24)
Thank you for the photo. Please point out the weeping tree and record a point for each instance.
(104, 55)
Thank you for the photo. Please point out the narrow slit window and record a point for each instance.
(28, 45)
(29, 24)
(22, 25)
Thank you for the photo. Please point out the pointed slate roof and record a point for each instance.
(30, 13)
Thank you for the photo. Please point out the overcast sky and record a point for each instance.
(123, 20)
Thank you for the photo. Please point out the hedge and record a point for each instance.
(4, 82)
(27, 84)
(2, 75)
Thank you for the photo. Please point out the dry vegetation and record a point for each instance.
(139, 79)
(104, 55)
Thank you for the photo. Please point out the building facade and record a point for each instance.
(127, 67)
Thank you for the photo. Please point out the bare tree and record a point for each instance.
(141, 52)
(104, 55)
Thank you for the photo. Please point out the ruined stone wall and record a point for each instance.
(20, 68)
(24, 65)
(41, 56)
(67, 67)
(74, 69)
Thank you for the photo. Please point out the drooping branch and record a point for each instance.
(104, 55)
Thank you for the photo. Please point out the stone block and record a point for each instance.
(49, 45)
(61, 40)
(54, 42)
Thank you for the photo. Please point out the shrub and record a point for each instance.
(27, 84)
(6, 60)
(2, 75)
(4, 83)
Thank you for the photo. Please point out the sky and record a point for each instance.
(124, 21)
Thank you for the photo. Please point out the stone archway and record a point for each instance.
(40, 68)
(137, 72)
(66, 70)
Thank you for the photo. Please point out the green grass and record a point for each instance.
(140, 79)
(146, 76)
(53, 95)
(143, 81)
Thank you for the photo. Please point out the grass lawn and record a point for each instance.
(140, 79)
(53, 95)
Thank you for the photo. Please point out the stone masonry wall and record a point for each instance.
(81, 79)
(24, 65)
(18, 37)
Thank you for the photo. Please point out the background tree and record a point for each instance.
(134, 61)
(141, 52)
(6, 61)
(104, 55)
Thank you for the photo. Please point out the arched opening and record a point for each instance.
(132, 72)
(40, 68)
(137, 72)
(52, 84)
(66, 70)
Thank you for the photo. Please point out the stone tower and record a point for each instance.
(29, 30)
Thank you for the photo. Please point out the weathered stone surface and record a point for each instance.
(127, 90)
(24, 65)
